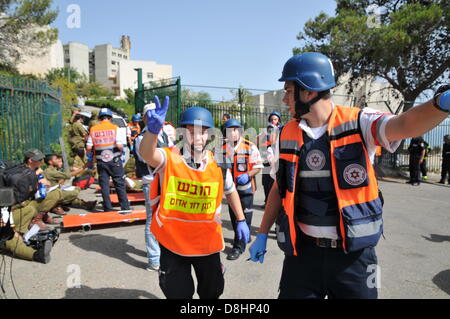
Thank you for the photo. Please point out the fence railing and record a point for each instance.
(435, 138)
(30, 117)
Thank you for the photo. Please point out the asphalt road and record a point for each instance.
(109, 262)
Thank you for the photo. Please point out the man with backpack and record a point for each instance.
(23, 178)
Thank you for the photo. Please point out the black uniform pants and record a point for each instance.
(267, 182)
(423, 168)
(445, 169)
(414, 168)
(318, 272)
(175, 277)
(247, 208)
(115, 171)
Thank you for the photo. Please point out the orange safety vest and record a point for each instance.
(360, 207)
(241, 164)
(186, 206)
(104, 136)
(135, 130)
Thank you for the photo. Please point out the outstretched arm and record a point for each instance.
(419, 120)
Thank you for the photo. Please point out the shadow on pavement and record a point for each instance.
(442, 280)
(85, 292)
(437, 238)
(109, 246)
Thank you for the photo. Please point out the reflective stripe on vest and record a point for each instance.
(360, 208)
(187, 218)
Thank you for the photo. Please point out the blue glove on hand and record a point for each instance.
(243, 231)
(243, 179)
(156, 117)
(444, 101)
(258, 248)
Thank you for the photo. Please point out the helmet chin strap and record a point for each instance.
(302, 108)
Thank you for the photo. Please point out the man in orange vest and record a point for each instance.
(186, 219)
(107, 146)
(246, 164)
(325, 200)
(135, 129)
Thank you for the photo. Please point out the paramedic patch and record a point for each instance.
(315, 160)
(355, 174)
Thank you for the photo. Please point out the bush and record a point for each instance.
(119, 106)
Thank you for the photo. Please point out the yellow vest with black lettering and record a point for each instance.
(186, 216)
(356, 187)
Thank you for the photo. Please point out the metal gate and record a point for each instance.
(30, 117)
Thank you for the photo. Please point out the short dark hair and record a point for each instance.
(50, 157)
(227, 116)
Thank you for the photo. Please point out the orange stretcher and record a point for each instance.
(132, 197)
(87, 220)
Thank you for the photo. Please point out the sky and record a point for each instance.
(227, 43)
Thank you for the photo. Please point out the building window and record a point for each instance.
(120, 55)
(113, 71)
(113, 62)
(114, 53)
(67, 60)
(125, 57)
(150, 76)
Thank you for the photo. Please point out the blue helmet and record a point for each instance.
(276, 114)
(312, 71)
(105, 112)
(136, 118)
(197, 115)
(232, 123)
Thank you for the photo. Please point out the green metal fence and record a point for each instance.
(237, 103)
(30, 117)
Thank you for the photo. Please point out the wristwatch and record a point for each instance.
(436, 98)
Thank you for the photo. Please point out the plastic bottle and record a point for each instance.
(42, 189)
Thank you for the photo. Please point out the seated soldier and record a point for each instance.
(55, 176)
(29, 210)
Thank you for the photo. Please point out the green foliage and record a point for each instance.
(118, 106)
(93, 90)
(69, 91)
(198, 98)
(130, 96)
(68, 73)
(24, 28)
(404, 42)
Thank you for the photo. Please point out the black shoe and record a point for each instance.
(42, 255)
(441, 182)
(235, 253)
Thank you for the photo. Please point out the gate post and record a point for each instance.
(138, 93)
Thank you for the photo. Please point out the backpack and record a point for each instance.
(21, 178)
(83, 182)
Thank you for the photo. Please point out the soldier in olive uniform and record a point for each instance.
(78, 134)
(55, 176)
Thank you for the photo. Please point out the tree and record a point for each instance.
(196, 98)
(24, 29)
(69, 73)
(403, 42)
(93, 90)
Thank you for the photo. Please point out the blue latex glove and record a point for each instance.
(444, 101)
(156, 117)
(243, 231)
(258, 248)
(131, 148)
(243, 179)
